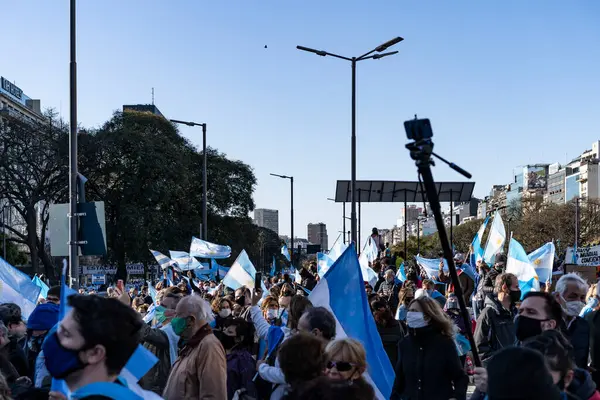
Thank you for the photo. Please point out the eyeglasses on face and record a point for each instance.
(341, 366)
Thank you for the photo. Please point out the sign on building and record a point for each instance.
(98, 279)
(588, 256)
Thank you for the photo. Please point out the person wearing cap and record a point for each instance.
(41, 320)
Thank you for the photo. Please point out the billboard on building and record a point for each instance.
(537, 177)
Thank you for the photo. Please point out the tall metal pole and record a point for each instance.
(344, 221)
(576, 225)
(405, 229)
(353, 226)
(451, 219)
(4, 231)
(73, 239)
(292, 215)
(204, 186)
(359, 221)
(418, 236)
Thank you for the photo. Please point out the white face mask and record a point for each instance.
(573, 308)
(415, 319)
(272, 314)
(224, 313)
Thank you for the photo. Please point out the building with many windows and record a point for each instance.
(16, 104)
(317, 234)
(266, 218)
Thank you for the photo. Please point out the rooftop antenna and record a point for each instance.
(152, 96)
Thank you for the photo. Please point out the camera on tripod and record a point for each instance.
(418, 129)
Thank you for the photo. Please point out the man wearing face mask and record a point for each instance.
(389, 290)
(571, 290)
(91, 345)
(495, 327)
(200, 371)
(538, 312)
(243, 298)
(10, 314)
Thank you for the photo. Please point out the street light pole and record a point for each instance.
(73, 218)
(344, 218)
(353, 60)
(204, 175)
(291, 178)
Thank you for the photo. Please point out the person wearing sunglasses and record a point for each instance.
(346, 360)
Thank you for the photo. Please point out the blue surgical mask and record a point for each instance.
(60, 361)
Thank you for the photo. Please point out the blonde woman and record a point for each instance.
(592, 301)
(428, 366)
(346, 360)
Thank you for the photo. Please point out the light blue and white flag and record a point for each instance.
(542, 260)
(431, 266)
(401, 274)
(337, 250)
(161, 259)
(43, 287)
(203, 249)
(204, 274)
(242, 273)
(273, 268)
(324, 262)
(371, 250)
(285, 252)
(151, 291)
(477, 250)
(496, 239)
(184, 260)
(342, 292)
(219, 270)
(16, 287)
(518, 263)
(368, 274)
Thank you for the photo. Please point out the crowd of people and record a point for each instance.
(214, 342)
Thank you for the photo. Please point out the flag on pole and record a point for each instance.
(496, 239)
(184, 261)
(43, 287)
(242, 273)
(286, 253)
(17, 288)
(518, 263)
(324, 262)
(342, 291)
(161, 259)
(477, 250)
(368, 274)
(273, 267)
(542, 260)
(203, 249)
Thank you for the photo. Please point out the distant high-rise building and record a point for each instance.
(267, 219)
(149, 108)
(317, 234)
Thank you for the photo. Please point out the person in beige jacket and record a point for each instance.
(200, 371)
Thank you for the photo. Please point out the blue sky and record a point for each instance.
(505, 83)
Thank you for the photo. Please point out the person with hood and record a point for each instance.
(557, 350)
(10, 314)
(41, 320)
(571, 290)
(428, 365)
(495, 325)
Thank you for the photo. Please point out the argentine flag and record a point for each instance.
(337, 250)
(518, 263)
(368, 275)
(431, 266)
(371, 249)
(242, 273)
(324, 262)
(161, 259)
(273, 268)
(542, 260)
(477, 250)
(43, 287)
(184, 260)
(286, 253)
(219, 270)
(342, 292)
(17, 288)
(496, 239)
(401, 274)
(203, 249)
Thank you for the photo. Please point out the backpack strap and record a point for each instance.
(107, 389)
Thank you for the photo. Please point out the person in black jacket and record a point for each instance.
(495, 325)
(428, 366)
(571, 290)
(390, 330)
(389, 290)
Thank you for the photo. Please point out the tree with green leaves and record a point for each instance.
(33, 174)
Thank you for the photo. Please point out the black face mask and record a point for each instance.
(526, 327)
(515, 296)
(228, 342)
(241, 301)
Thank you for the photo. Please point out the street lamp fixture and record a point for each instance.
(291, 178)
(353, 60)
(204, 179)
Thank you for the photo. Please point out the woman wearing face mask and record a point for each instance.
(222, 309)
(346, 360)
(428, 366)
(573, 382)
(592, 301)
(406, 295)
(238, 340)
